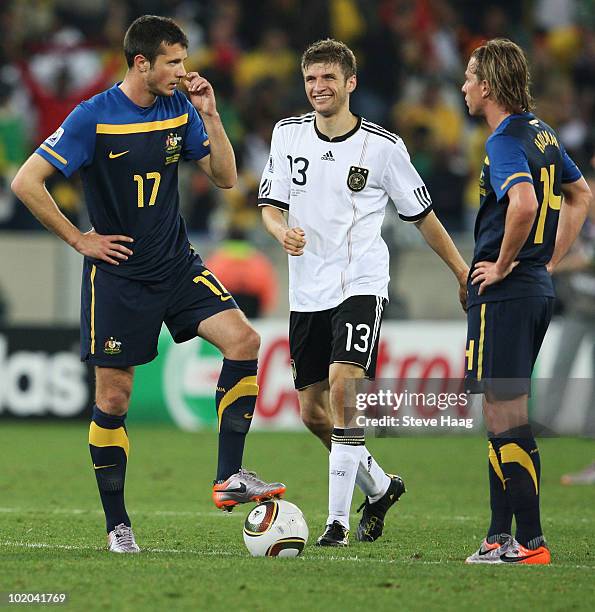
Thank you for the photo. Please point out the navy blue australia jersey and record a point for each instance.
(128, 159)
(521, 149)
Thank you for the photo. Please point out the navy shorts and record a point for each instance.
(348, 333)
(503, 341)
(121, 318)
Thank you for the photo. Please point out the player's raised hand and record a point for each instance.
(488, 273)
(294, 241)
(201, 93)
(105, 248)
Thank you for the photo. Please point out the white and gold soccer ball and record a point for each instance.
(275, 528)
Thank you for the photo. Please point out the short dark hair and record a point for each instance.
(146, 35)
(330, 51)
(504, 66)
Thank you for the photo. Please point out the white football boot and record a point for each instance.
(121, 540)
(491, 553)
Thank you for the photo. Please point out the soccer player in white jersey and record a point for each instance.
(332, 173)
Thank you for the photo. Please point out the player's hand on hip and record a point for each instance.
(488, 273)
(294, 241)
(104, 248)
(462, 277)
(201, 93)
(463, 296)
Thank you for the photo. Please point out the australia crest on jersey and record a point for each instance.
(112, 346)
(357, 178)
(173, 147)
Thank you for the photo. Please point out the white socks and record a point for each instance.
(343, 465)
(350, 462)
(371, 478)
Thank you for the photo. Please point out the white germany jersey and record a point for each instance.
(336, 190)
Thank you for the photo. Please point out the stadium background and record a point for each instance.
(411, 57)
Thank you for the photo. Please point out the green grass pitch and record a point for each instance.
(52, 534)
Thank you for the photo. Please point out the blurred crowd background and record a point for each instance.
(411, 55)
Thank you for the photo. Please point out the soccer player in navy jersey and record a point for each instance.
(533, 202)
(139, 268)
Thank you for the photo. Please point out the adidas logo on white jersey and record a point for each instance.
(328, 156)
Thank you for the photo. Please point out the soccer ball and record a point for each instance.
(275, 528)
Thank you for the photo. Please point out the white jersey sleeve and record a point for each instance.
(274, 187)
(404, 186)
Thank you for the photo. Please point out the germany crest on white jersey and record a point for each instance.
(336, 190)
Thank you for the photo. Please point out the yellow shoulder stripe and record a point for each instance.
(513, 176)
(53, 154)
(137, 128)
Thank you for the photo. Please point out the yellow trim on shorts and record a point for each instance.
(482, 327)
(93, 273)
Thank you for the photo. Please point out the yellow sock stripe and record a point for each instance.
(245, 386)
(482, 328)
(99, 436)
(513, 453)
(495, 464)
(93, 273)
